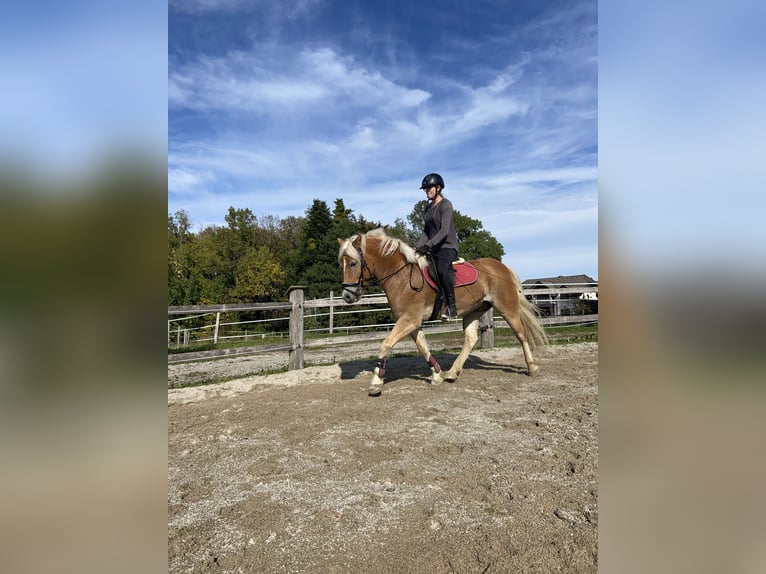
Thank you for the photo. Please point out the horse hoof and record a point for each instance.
(533, 369)
(436, 378)
(450, 377)
(374, 391)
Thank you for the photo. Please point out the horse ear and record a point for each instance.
(340, 241)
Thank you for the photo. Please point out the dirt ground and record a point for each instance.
(302, 472)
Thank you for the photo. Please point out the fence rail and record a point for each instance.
(296, 328)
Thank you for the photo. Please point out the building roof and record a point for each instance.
(561, 280)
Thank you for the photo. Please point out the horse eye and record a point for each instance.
(352, 264)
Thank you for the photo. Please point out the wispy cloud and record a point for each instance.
(297, 82)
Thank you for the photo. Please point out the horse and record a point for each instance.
(399, 271)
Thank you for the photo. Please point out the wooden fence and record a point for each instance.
(297, 305)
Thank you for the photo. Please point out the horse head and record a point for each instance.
(351, 260)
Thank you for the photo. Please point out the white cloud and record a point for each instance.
(238, 82)
(364, 139)
(262, 82)
(186, 179)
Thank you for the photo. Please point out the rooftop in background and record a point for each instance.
(562, 280)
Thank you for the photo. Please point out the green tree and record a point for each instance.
(481, 244)
(475, 241)
(213, 274)
(247, 269)
(179, 239)
(402, 231)
(243, 223)
(289, 248)
(317, 267)
(343, 224)
(259, 276)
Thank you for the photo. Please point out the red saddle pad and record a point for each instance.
(465, 274)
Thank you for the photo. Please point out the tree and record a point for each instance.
(289, 248)
(343, 224)
(213, 275)
(243, 223)
(402, 231)
(259, 276)
(317, 267)
(481, 244)
(179, 238)
(474, 240)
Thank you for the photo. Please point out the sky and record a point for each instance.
(274, 104)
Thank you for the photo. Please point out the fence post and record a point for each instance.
(487, 329)
(296, 328)
(331, 301)
(217, 323)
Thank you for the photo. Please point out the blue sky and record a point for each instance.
(274, 104)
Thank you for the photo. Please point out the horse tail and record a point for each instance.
(529, 317)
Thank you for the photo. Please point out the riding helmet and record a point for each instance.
(432, 179)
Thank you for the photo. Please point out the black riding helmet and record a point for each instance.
(432, 179)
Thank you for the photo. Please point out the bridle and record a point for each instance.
(360, 284)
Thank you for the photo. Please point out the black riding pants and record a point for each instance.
(443, 260)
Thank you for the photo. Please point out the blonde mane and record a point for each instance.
(347, 248)
(388, 246)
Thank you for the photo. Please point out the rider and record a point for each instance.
(439, 239)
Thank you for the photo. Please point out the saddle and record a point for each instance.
(465, 274)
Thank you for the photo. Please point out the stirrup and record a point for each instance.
(449, 315)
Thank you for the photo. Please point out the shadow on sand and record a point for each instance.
(409, 367)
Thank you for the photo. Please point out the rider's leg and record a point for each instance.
(447, 280)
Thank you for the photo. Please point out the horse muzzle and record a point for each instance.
(351, 293)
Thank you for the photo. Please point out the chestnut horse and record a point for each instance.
(398, 269)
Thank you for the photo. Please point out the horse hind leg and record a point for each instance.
(471, 332)
(514, 320)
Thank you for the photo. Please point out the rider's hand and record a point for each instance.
(421, 250)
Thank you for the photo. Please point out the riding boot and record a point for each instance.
(448, 285)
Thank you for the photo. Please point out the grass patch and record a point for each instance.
(559, 335)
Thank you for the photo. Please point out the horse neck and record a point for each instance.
(382, 266)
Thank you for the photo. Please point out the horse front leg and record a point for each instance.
(420, 341)
(401, 329)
